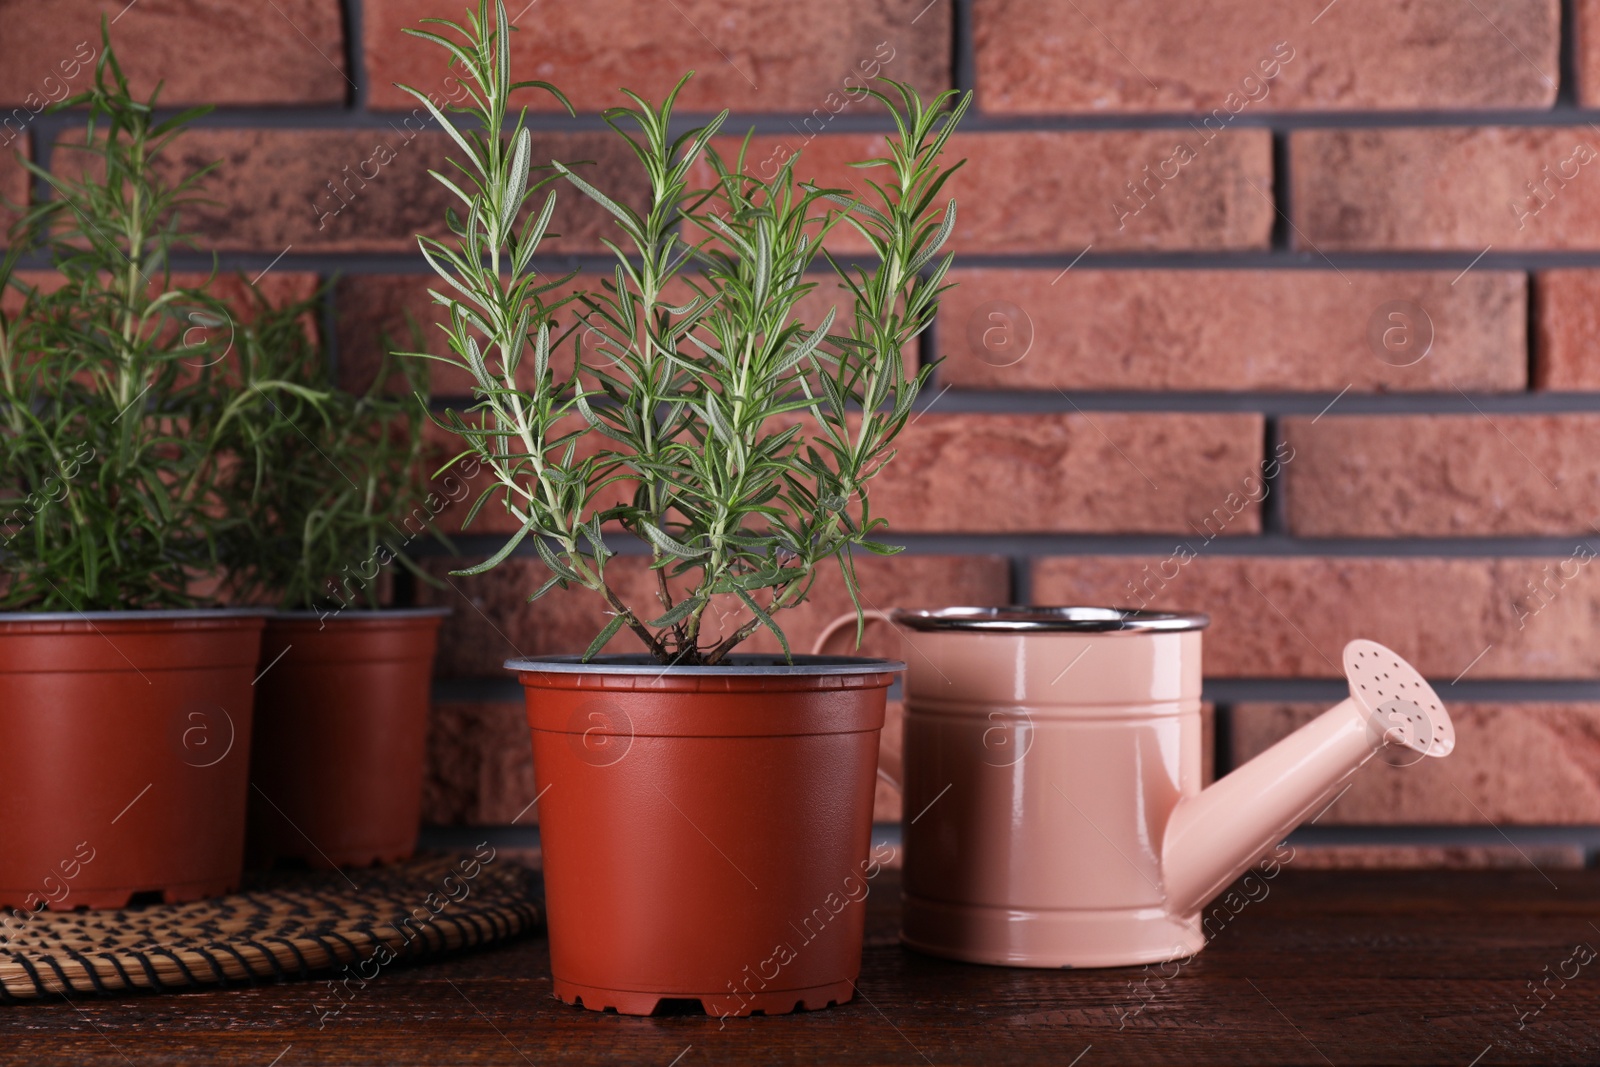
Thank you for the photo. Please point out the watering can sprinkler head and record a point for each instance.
(1402, 710)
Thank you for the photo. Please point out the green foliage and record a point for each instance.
(153, 449)
(333, 491)
(748, 436)
(112, 403)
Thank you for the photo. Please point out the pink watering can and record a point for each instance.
(1053, 810)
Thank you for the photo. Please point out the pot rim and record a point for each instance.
(1027, 618)
(133, 613)
(746, 664)
(364, 613)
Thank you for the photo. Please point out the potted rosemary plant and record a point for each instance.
(125, 701)
(336, 498)
(705, 814)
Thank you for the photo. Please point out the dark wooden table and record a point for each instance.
(1329, 968)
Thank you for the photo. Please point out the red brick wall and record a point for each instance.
(1194, 237)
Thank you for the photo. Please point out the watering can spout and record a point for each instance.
(1215, 835)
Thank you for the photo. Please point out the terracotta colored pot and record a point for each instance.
(124, 751)
(341, 736)
(706, 829)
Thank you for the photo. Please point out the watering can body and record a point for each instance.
(1054, 810)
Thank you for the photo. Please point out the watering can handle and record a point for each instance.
(871, 615)
(890, 765)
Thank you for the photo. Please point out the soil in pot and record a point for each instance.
(124, 752)
(706, 830)
(340, 736)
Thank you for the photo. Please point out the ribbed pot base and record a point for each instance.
(720, 1005)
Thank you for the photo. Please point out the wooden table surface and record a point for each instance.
(1329, 968)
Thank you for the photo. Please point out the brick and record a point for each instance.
(373, 309)
(749, 57)
(1286, 617)
(460, 488)
(1078, 473)
(1061, 191)
(480, 765)
(1567, 309)
(373, 313)
(1586, 47)
(1442, 475)
(1099, 56)
(493, 620)
(1459, 188)
(1227, 330)
(1444, 857)
(1043, 473)
(305, 188)
(14, 180)
(1514, 764)
(279, 287)
(202, 51)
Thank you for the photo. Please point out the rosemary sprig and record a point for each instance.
(750, 436)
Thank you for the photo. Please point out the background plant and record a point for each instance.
(334, 488)
(117, 366)
(749, 436)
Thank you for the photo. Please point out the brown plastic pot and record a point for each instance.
(124, 752)
(706, 829)
(340, 736)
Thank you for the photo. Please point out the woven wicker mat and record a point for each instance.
(286, 926)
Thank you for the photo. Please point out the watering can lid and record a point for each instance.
(1023, 618)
